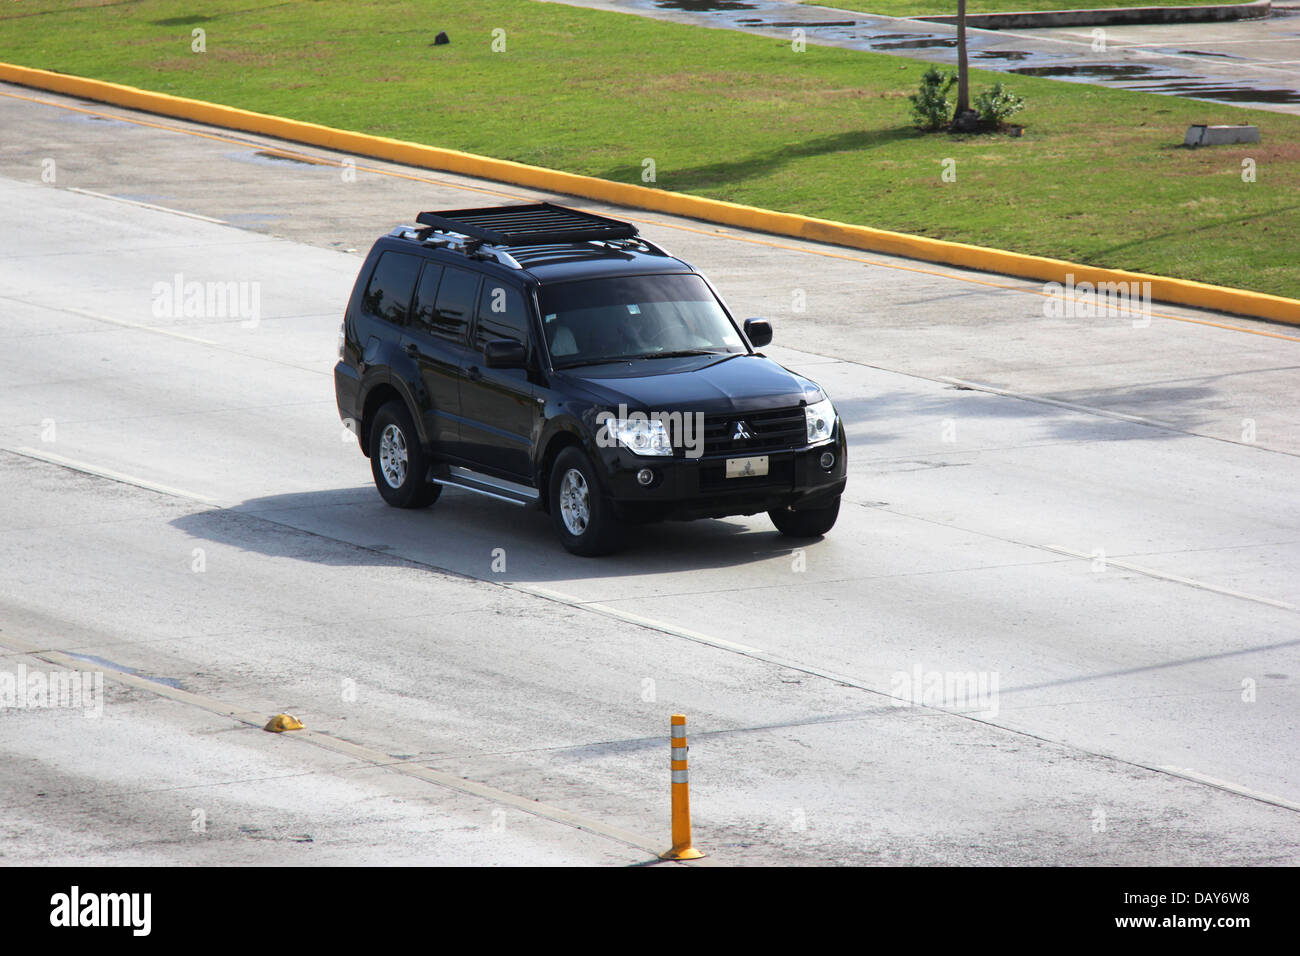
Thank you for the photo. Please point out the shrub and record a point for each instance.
(930, 107)
(997, 105)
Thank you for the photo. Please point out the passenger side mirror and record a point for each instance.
(505, 353)
(759, 332)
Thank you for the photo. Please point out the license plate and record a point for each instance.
(747, 467)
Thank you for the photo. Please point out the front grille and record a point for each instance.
(775, 430)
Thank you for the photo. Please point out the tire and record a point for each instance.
(807, 523)
(398, 461)
(584, 518)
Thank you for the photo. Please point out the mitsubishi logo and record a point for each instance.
(742, 432)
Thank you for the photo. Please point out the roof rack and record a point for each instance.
(472, 248)
(527, 225)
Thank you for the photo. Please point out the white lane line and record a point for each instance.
(147, 205)
(1187, 773)
(136, 326)
(359, 752)
(1175, 578)
(630, 618)
(1089, 409)
(313, 367)
(110, 474)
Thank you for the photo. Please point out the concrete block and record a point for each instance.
(1220, 135)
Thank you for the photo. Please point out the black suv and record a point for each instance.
(555, 359)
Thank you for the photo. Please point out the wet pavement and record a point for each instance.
(1245, 63)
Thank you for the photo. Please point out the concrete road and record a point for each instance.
(1090, 529)
(1248, 62)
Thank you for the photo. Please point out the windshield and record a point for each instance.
(629, 317)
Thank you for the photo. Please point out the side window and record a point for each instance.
(502, 314)
(388, 294)
(426, 294)
(455, 302)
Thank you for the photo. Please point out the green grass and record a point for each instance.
(936, 8)
(1097, 178)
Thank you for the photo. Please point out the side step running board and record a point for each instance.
(500, 488)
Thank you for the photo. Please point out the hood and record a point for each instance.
(736, 383)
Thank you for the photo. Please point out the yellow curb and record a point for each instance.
(1198, 295)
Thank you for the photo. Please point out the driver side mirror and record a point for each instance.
(504, 353)
(759, 332)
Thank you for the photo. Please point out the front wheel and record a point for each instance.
(583, 517)
(808, 522)
(398, 462)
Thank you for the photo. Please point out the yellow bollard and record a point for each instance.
(682, 849)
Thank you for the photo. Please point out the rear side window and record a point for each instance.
(388, 295)
(455, 302)
(426, 294)
(502, 314)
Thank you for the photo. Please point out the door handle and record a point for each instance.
(412, 350)
(473, 374)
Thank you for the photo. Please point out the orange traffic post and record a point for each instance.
(682, 849)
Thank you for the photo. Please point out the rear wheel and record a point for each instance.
(398, 461)
(807, 522)
(584, 518)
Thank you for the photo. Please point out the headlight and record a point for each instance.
(821, 421)
(342, 339)
(641, 434)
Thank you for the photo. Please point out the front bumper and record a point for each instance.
(699, 487)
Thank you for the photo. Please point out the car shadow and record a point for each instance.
(471, 535)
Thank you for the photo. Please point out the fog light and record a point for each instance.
(644, 477)
(827, 460)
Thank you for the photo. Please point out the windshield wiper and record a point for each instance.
(579, 363)
(677, 353)
(681, 353)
